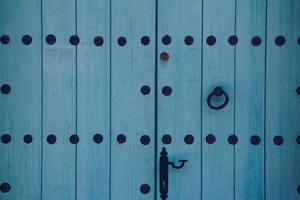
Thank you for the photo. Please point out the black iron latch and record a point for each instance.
(164, 172)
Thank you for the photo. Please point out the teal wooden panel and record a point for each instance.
(179, 114)
(93, 104)
(20, 110)
(132, 113)
(59, 100)
(282, 101)
(250, 99)
(218, 70)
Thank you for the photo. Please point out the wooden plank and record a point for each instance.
(20, 110)
(282, 101)
(218, 70)
(132, 113)
(250, 99)
(59, 100)
(93, 81)
(179, 114)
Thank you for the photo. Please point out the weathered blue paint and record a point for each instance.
(282, 101)
(118, 87)
(59, 100)
(20, 110)
(132, 113)
(218, 70)
(179, 114)
(250, 100)
(93, 100)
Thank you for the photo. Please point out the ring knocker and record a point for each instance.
(218, 92)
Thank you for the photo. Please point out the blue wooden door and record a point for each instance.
(151, 99)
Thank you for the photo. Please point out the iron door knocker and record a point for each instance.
(218, 92)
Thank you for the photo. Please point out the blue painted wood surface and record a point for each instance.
(93, 100)
(250, 100)
(59, 100)
(179, 114)
(20, 110)
(83, 90)
(132, 113)
(282, 101)
(218, 70)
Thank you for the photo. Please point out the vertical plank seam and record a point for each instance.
(265, 101)
(76, 101)
(234, 102)
(156, 102)
(201, 101)
(110, 93)
(42, 101)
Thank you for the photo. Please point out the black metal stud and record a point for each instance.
(298, 139)
(189, 40)
(74, 139)
(50, 39)
(255, 140)
(27, 138)
(145, 139)
(164, 56)
(145, 188)
(166, 139)
(5, 39)
(145, 90)
(121, 139)
(5, 89)
(166, 40)
(189, 139)
(232, 139)
(74, 40)
(5, 187)
(27, 39)
(5, 138)
(122, 41)
(98, 41)
(298, 90)
(211, 40)
(298, 40)
(98, 138)
(256, 41)
(51, 139)
(233, 40)
(278, 140)
(166, 90)
(145, 40)
(298, 189)
(280, 40)
(210, 139)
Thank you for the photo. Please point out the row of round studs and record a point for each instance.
(145, 40)
(144, 188)
(145, 90)
(5, 188)
(145, 139)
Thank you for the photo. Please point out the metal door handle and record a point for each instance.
(164, 172)
(218, 91)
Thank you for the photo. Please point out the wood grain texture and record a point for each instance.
(179, 114)
(132, 114)
(63, 90)
(250, 99)
(282, 101)
(218, 70)
(93, 100)
(59, 100)
(20, 110)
